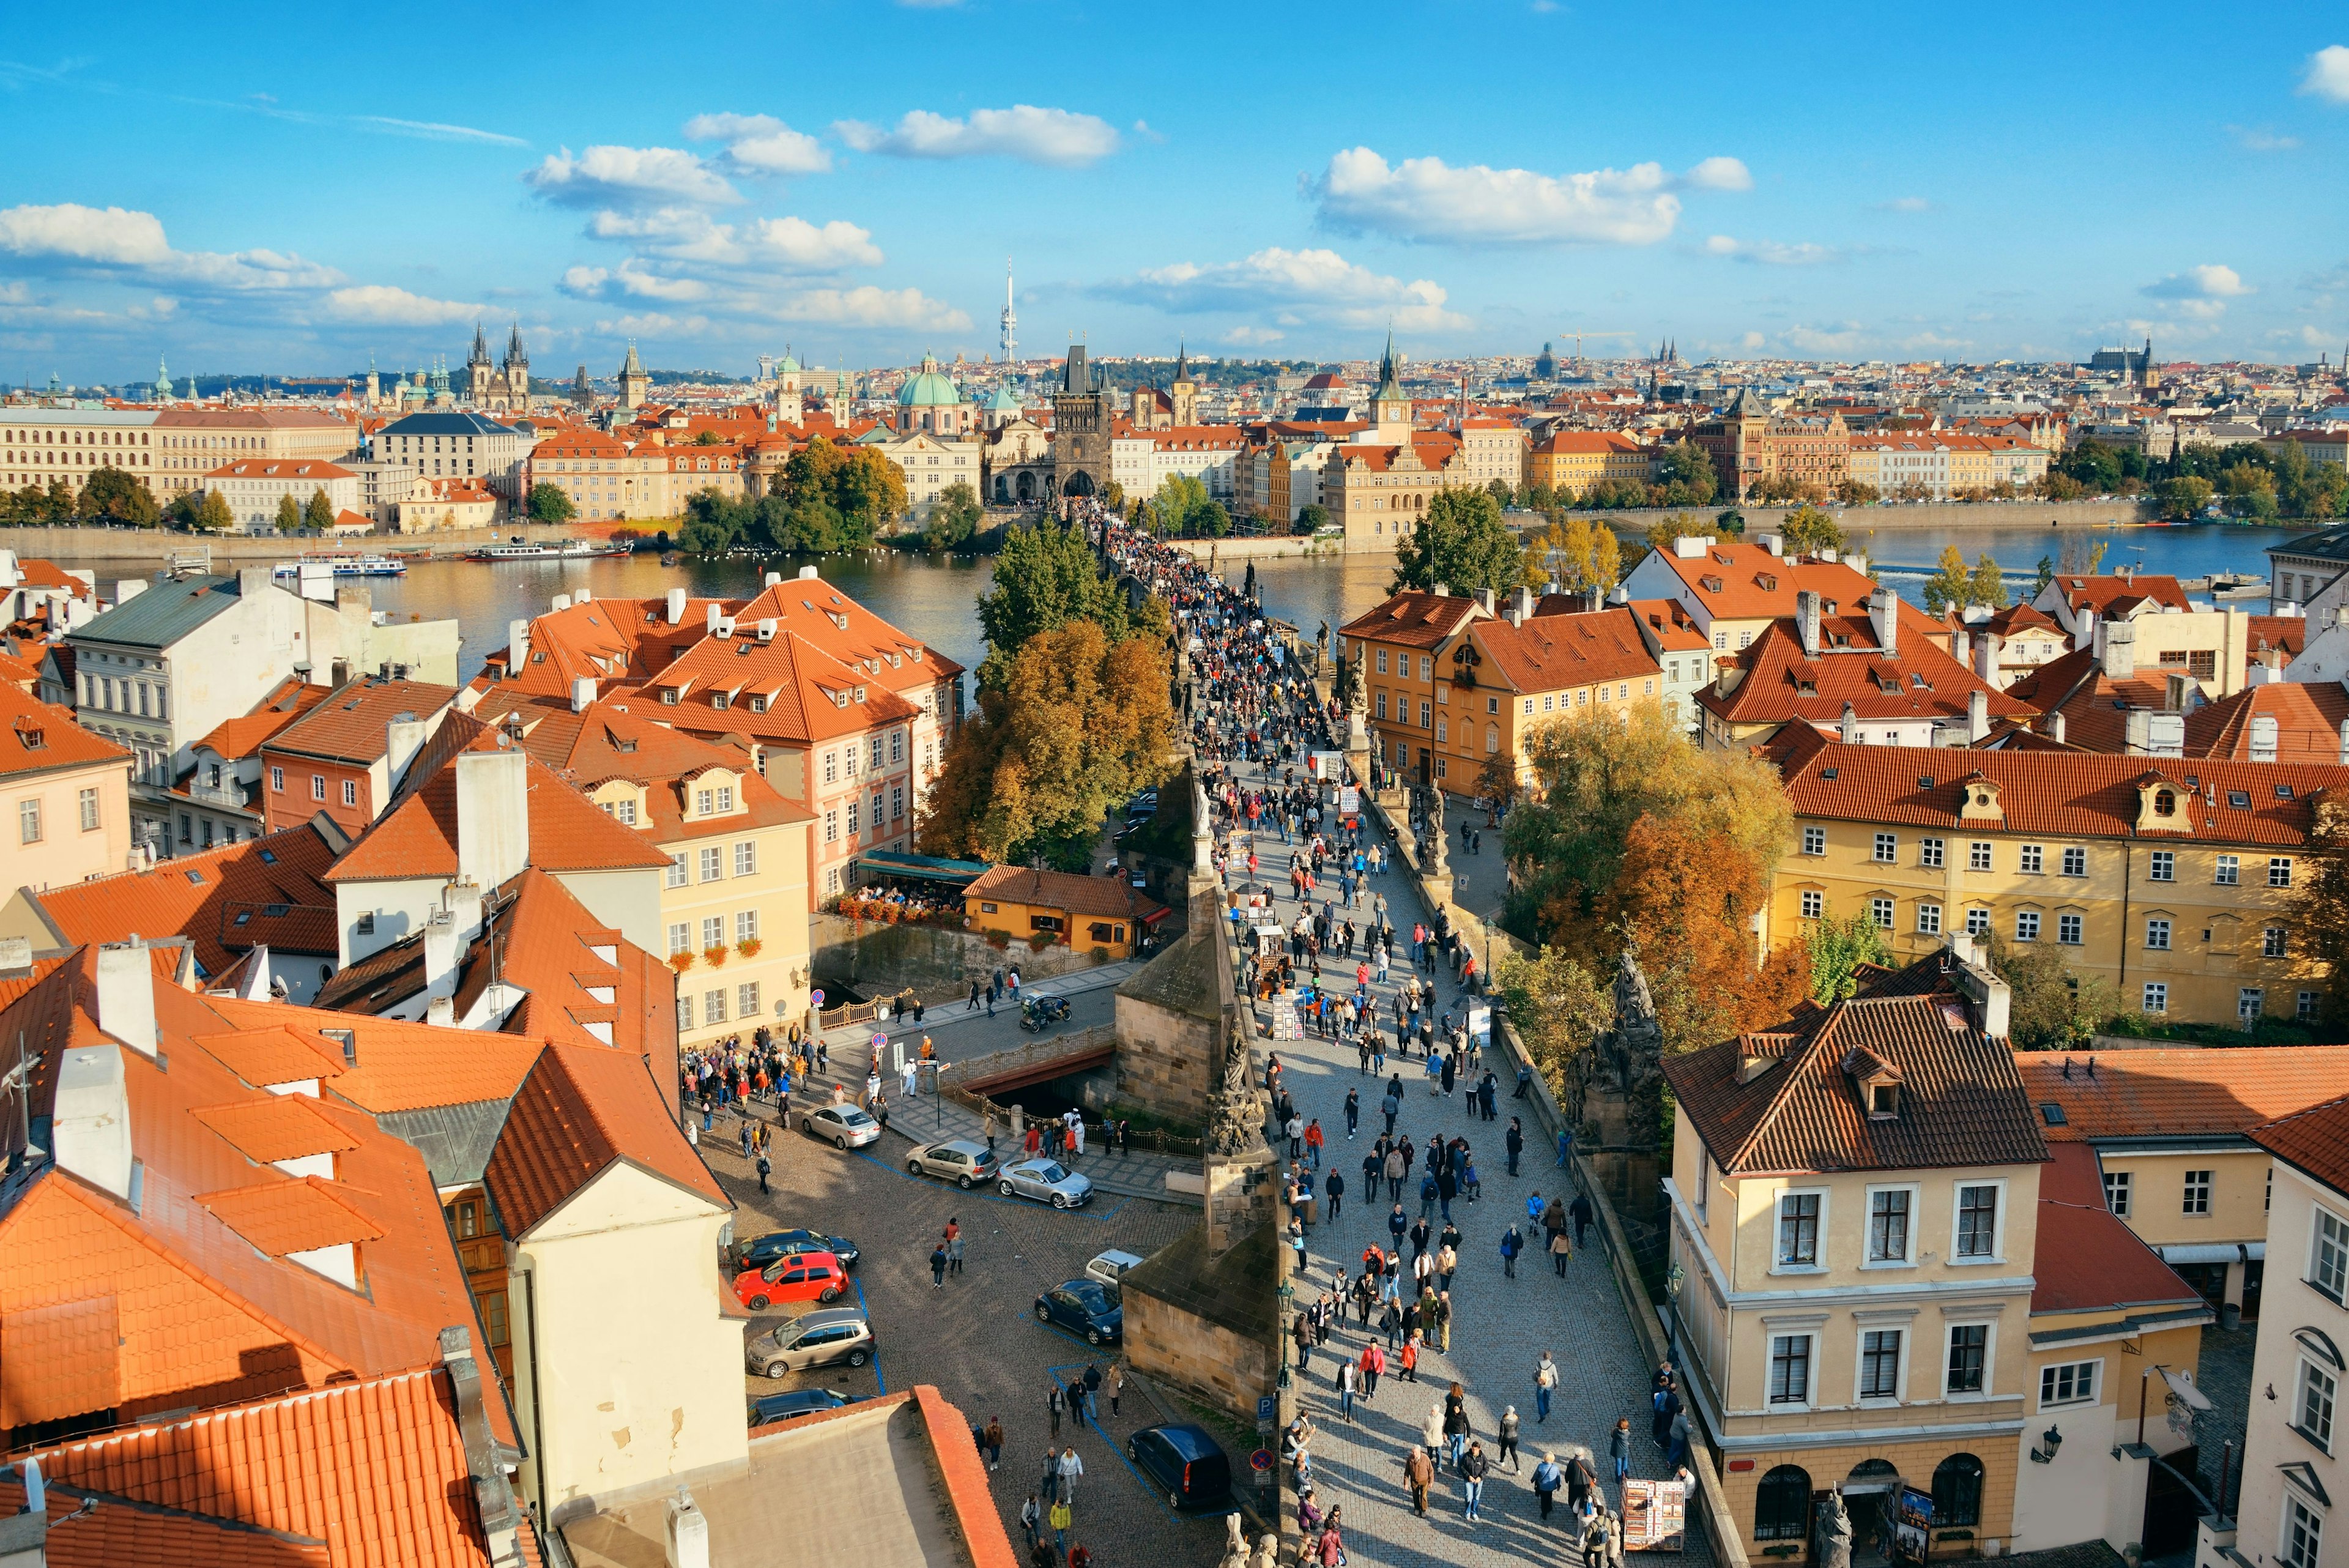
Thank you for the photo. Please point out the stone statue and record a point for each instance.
(1835, 1534)
(1635, 1042)
(1236, 1550)
(1439, 857)
(1349, 685)
(1236, 1124)
(1268, 1553)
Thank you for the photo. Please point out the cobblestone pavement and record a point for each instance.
(1502, 1325)
(977, 1340)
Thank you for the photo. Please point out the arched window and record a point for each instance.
(1781, 1506)
(1956, 1491)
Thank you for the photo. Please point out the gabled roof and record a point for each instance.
(2314, 1141)
(1917, 680)
(2287, 634)
(2107, 594)
(349, 725)
(237, 739)
(2176, 1092)
(1550, 653)
(2096, 706)
(1754, 583)
(1668, 621)
(2086, 1259)
(581, 1111)
(2307, 721)
(2018, 620)
(1107, 898)
(118, 1532)
(166, 611)
(36, 738)
(274, 882)
(624, 740)
(1412, 618)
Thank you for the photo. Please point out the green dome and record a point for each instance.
(1003, 402)
(928, 390)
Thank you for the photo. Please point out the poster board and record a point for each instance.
(1327, 765)
(1912, 1525)
(1655, 1515)
(1349, 800)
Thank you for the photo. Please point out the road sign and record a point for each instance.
(1261, 1459)
(1266, 1408)
(816, 998)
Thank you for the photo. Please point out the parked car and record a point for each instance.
(800, 1277)
(819, 1338)
(1046, 1181)
(963, 1161)
(760, 1250)
(1186, 1461)
(769, 1408)
(1110, 1267)
(843, 1126)
(1083, 1306)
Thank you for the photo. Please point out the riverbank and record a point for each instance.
(1953, 516)
(156, 546)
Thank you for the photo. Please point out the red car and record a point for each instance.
(798, 1277)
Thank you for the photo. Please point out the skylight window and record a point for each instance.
(2240, 799)
(1827, 772)
(2283, 791)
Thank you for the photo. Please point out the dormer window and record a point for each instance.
(757, 704)
(669, 695)
(2165, 803)
(718, 700)
(1883, 1101)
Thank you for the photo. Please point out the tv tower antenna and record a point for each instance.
(1010, 344)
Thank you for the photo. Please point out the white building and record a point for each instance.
(255, 488)
(457, 446)
(931, 465)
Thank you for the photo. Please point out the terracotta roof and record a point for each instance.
(2086, 1259)
(1961, 1102)
(2181, 1092)
(1917, 680)
(808, 694)
(199, 896)
(1746, 582)
(279, 468)
(1587, 443)
(2059, 793)
(1669, 623)
(582, 1110)
(271, 1127)
(2096, 706)
(35, 738)
(1102, 896)
(2314, 1141)
(2019, 618)
(1411, 618)
(266, 1054)
(282, 1216)
(118, 1532)
(349, 724)
(2307, 721)
(2288, 633)
(235, 739)
(2107, 594)
(1550, 653)
(397, 1065)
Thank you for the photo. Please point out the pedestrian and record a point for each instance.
(1509, 1453)
(1580, 1482)
(1062, 1518)
(1408, 1358)
(994, 1438)
(1547, 1479)
(1455, 1421)
(1473, 1469)
(1314, 1139)
(1679, 1433)
(1057, 1403)
(953, 1246)
(1566, 1147)
(1419, 1473)
(1294, 1131)
(765, 1167)
(1354, 1107)
(1346, 1390)
(1515, 1143)
(1116, 1386)
(1070, 1468)
(1430, 1431)
(1513, 1241)
(1545, 1384)
(1581, 1213)
(1051, 1483)
(938, 1267)
(1619, 1448)
(1667, 1405)
(1375, 1361)
(1334, 1185)
(1030, 1518)
(1561, 1252)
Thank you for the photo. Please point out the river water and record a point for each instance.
(933, 595)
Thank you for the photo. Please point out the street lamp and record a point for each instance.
(1672, 1283)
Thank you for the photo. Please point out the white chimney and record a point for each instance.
(441, 1012)
(710, 616)
(493, 815)
(1485, 600)
(126, 994)
(1856, 563)
(767, 629)
(772, 579)
(689, 1528)
(1773, 543)
(581, 596)
(402, 739)
(91, 1122)
(1986, 651)
(2263, 737)
(129, 588)
(1521, 605)
(517, 645)
(2055, 727)
(810, 575)
(1884, 611)
(561, 602)
(676, 606)
(1977, 716)
(1806, 621)
(2116, 650)
(2084, 628)
(1848, 730)
(1961, 645)
(582, 693)
(1688, 547)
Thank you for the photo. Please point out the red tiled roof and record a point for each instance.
(1103, 896)
(37, 738)
(2096, 706)
(2314, 1141)
(1754, 583)
(582, 1110)
(2107, 595)
(282, 1216)
(1781, 683)
(237, 739)
(1554, 652)
(2288, 633)
(1669, 623)
(2163, 1091)
(200, 896)
(417, 836)
(2087, 1260)
(2307, 721)
(349, 724)
(398, 1066)
(1411, 618)
(279, 468)
(119, 1532)
(271, 1127)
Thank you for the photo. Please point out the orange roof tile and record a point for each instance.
(2164, 1091)
(2315, 1141)
(117, 1531)
(199, 896)
(2307, 720)
(398, 1065)
(417, 836)
(582, 1110)
(235, 739)
(1746, 582)
(1550, 653)
(351, 724)
(1411, 618)
(269, 1055)
(271, 1127)
(35, 738)
(282, 1216)
(1917, 680)
(2087, 1260)
(1106, 897)
(2104, 594)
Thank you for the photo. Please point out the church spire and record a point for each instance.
(481, 355)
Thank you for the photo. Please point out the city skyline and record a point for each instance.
(1796, 188)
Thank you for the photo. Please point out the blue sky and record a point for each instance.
(290, 188)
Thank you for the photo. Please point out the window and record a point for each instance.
(683, 1011)
(1969, 1354)
(2165, 865)
(624, 812)
(277, 780)
(1815, 841)
(1426, 669)
(2272, 943)
(1814, 903)
(1887, 847)
(2032, 859)
(1383, 704)
(2229, 872)
(2280, 871)
(2198, 1192)
(702, 802)
(831, 767)
(1880, 1363)
(318, 786)
(1978, 922)
(1929, 852)
(2312, 1406)
(1888, 1226)
(2328, 1264)
(2302, 1537)
(1978, 1221)
(89, 811)
(1790, 1369)
(2070, 1383)
(1382, 661)
(681, 937)
(2156, 933)
(28, 821)
(2305, 1009)
(713, 863)
(713, 1006)
(1798, 1230)
(676, 877)
(1424, 710)
(2076, 863)
(2117, 1192)
(1929, 919)
(2067, 929)
(746, 1000)
(350, 792)
(2156, 996)
(1956, 1491)
(1781, 1505)
(746, 859)
(1978, 856)
(2251, 1001)
(746, 925)
(1881, 910)
(2026, 925)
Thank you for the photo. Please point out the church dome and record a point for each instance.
(928, 390)
(1003, 402)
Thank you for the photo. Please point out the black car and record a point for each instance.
(1083, 1306)
(769, 1408)
(760, 1250)
(1186, 1461)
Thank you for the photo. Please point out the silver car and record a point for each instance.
(843, 1126)
(963, 1161)
(819, 1338)
(1046, 1181)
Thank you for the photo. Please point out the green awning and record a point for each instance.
(925, 867)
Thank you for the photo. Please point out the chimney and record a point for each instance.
(582, 693)
(1775, 543)
(90, 1125)
(1688, 547)
(560, 603)
(441, 1012)
(339, 674)
(1961, 646)
(488, 1462)
(1485, 600)
(1441, 590)
(126, 994)
(710, 616)
(810, 575)
(2055, 727)
(676, 606)
(1884, 611)
(493, 815)
(1849, 731)
(402, 739)
(772, 579)
(1521, 605)
(581, 596)
(517, 646)
(1977, 716)
(1856, 563)
(2116, 650)
(687, 1533)
(2084, 628)
(2176, 686)
(1806, 621)
(1985, 660)
(2264, 736)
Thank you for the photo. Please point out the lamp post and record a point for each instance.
(1286, 1292)
(1672, 1283)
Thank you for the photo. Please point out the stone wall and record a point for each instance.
(934, 961)
(1167, 1031)
(1207, 1327)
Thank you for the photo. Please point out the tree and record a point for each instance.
(1855, 492)
(954, 518)
(1686, 474)
(1461, 542)
(2094, 465)
(2320, 903)
(1114, 497)
(2053, 1009)
(317, 513)
(1311, 518)
(1988, 584)
(113, 495)
(2183, 497)
(1045, 575)
(1559, 1009)
(1837, 948)
(2046, 575)
(213, 515)
(1678, 526)
(1808, 531)
(1078, 723)
(714, 523)
(834, 498)
(550, 504)
(289, 516)
(1539, 496)
(1503, 493)
(1949, 587)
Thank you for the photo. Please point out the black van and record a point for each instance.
(1184, 1460)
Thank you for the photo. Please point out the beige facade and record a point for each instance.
(62, 821)
(41, 446)
(255, 488)
(191, 442)
(2294, 1479)
(932, 466)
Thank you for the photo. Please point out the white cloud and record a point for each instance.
(760, 144)
(1057, 136)
(789, 244)
(436, 131)
(2328, 74)
(584, 282)
(1751, 340)
(629, 177)
(2258, 139)
(1839, 338)
(1906, 204)
(1245, 336)
(870, 307)
(1427, 199)
(119, 239)
(381, 302)
(2208, 281)
(1771, 252)
(1319, 283)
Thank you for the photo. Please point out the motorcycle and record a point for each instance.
(1042, 1012)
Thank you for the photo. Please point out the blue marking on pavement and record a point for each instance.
(877, 1378)
(1060, 1375)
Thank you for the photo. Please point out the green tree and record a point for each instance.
(1808, 531)
(833, 498)
(550, 504)
(2052, 1008)
(1678, 526)
(1988, 584)
(1114, 497)
(1837, 948)
(1559, 1009)
(954, 518)
(1311, 518)
(1686, 474)
(714, 523)
(1731, 522)
(2185, 496)
(1540, 497)
(289, 516)
(113, 495)
(1855, 492)
(212, 514)
(1046, 574)
(317, 513)
(1461, 542)
(1503, 493)
(1951, 585)
(2094, 464)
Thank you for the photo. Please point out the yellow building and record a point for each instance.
(1501, 675)
(1571, 461)
(1091, 914)
(2170, 879)
(1397, 644)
